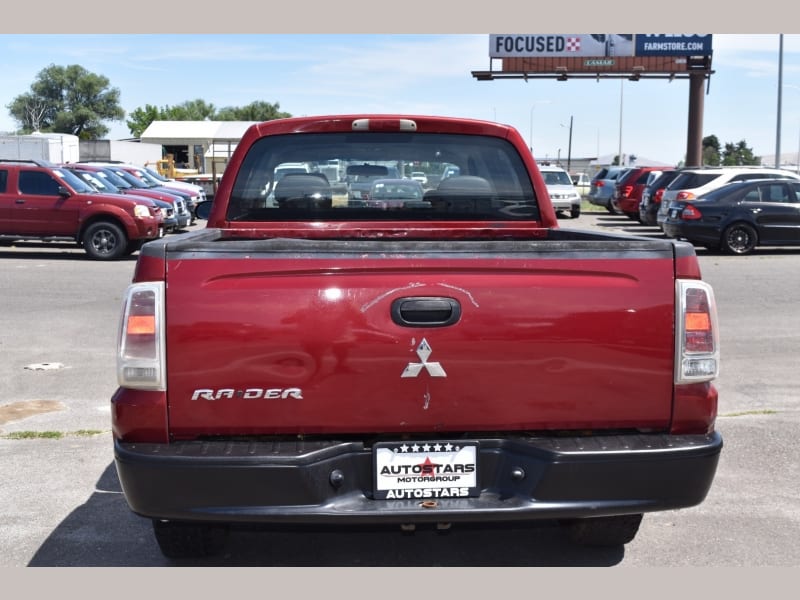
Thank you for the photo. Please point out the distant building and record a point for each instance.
(202, 145)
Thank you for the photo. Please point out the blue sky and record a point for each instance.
(309, 74)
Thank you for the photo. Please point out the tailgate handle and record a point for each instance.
(425, 311)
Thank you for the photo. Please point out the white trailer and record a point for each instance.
(133, 153)
(52, 147)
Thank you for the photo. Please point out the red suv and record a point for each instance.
(629, 187)
(39, 200)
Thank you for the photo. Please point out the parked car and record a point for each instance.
(196, 190)
(582, 182)
(737, 217)
(601, 188)
(563, 194)
(104, 186)
(191, 197)
(419, 176)
(360, 178)
(394, 193)
(178, 198)
(694, 182)
(131, 185)
(40, 200)
(629, 187)
(651, 197)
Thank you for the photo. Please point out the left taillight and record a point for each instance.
(697, 343)
(140, 342)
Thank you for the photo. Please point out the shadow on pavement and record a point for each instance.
(103, 532)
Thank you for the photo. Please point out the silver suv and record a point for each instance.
(693, 183)
(601, 188)
(563, 194)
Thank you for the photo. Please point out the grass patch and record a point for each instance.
(764, 411)
(87, 432)
(50, 435)
(34, 435)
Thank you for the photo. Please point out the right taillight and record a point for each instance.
(140, 343)
(697, 343)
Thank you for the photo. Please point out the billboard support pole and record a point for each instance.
(694, 136)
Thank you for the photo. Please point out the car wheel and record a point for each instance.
(611, 207)
(575, 212)
(604, 531)
(739, 238)
(189, 540)
(104, 241)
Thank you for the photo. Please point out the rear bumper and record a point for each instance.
(628, 205)
(331, 482)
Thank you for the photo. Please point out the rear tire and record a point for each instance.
(604, 531)
(739, 238)
(189, 540)
(104, 241)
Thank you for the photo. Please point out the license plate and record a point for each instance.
(425, 470)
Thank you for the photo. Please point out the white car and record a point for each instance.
(563, 193)
(582, 182)
(419, 176)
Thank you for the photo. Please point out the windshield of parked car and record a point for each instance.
(492, 181)
(556, 178)
(75, 182)
(147, 178)
(114, 179)
(93, 181)
(156, 175)
(690, 181)
(131, 179)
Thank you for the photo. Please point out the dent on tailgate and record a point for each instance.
(272, 343)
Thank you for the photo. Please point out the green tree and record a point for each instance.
(711, 149)
(200, 110)
(255, 111)
(191, 110)
(140, 119)
(739, 154)
(68, 100)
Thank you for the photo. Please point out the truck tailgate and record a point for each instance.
(273, 337)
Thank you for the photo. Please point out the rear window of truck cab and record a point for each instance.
(491, 183)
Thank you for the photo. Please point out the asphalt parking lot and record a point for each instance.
(64, 507)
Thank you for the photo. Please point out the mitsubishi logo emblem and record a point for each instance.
(434, 368)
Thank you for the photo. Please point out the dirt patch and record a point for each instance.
(17, 411)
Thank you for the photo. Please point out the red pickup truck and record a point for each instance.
(456, 358)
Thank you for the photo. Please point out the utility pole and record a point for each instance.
(569, 146)
(780, 94)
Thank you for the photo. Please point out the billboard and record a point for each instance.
(597, 45)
